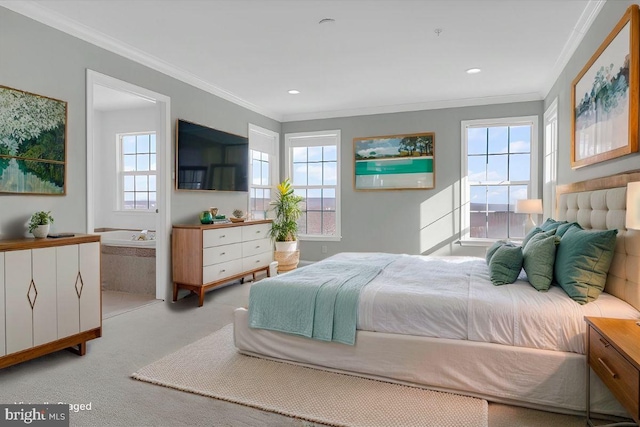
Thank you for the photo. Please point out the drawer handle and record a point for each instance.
(258, 247)
(257, 261)
(222, 271)
(258, 231)
(223, 236)
(223, 253)
(604, 342)
(613, 374)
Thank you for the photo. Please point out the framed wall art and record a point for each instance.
(32, 143)
(604, 97)
(395, 162)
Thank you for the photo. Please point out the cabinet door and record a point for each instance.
(90, 297)
(68, 301)
(45, 328)
(19, 328)
(3, 349)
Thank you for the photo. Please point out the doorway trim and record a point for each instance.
(163, 133)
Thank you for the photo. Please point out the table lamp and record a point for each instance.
(531, 207)
(633, 205)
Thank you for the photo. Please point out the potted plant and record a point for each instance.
(39, 224)
(284, 228)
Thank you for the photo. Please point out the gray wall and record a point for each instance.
(405, 221)
(600, 29)
(42, 60)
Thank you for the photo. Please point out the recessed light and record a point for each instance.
(294, 92)
(473, 70)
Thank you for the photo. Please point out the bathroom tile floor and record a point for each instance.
(115, 303)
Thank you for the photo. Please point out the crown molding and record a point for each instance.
(60, 22)
(587, 17)
(419, 106)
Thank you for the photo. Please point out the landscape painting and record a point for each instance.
(395, 162)
(605, 98)
(32, 143)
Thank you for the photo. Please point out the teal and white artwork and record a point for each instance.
(32, 143)
(395, 162)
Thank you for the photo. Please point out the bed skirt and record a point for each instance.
(539, 379)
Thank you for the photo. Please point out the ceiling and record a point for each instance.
(377, 56)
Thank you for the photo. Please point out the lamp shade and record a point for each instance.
(529, 206)
(633, 205)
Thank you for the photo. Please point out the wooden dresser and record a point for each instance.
(50, 296)
(206, 256)
(613, 352)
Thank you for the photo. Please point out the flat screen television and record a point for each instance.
(209, 159)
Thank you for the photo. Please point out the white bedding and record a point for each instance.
(452, 297)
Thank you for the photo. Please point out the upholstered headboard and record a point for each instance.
(600, 204)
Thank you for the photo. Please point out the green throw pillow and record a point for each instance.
(493, 248)
(535, 232)
(505, 264)
(539, 257)
(583, 261)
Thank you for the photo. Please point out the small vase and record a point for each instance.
(206, 217)
(41, 231)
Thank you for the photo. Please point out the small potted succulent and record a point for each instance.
(238, 216)
(39, 224)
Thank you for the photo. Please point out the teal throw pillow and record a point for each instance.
(493, 248)
(539, 257)
(505, 264)
(582, 262)
(562, 228)
(551, 224)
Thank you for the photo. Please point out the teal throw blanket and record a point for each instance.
(318, 301)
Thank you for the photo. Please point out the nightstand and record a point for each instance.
(613, 352)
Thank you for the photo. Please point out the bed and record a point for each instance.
(505, 346)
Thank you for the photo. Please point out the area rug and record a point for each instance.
(212, 367)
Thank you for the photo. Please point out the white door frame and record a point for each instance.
(163, 133)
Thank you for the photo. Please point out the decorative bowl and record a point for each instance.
(233, 219)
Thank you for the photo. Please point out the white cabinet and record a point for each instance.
(50, 296)
(205, 256)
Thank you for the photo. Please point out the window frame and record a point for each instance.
(272, 151)
(465, 192)
(315, 139)
(121, 173)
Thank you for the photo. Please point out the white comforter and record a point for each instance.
(452, 297)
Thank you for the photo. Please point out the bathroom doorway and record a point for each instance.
(128, 189)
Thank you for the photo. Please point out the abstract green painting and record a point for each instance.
(32, 143)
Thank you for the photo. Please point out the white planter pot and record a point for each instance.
(286, 246)
(41, 231)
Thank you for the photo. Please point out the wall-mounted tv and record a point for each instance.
(209, 159)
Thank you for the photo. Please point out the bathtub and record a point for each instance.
(126, 238)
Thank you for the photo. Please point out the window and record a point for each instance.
(137, 171)
(263, 158)
(550, 165)
(313, 163)
(498, 167)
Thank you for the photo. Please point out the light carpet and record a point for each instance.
(213, 367)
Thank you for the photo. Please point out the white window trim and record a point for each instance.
(274, 155)
(119, 208)
(465, 203)
(550, 151)
(306, 140)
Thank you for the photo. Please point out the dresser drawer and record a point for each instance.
(215, 272)
(618, 374)
(222, 236)
(223, 253)
(255, 247)
(254, 232)
(257, 261)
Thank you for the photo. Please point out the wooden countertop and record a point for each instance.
(222, 225)
(33, 243)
